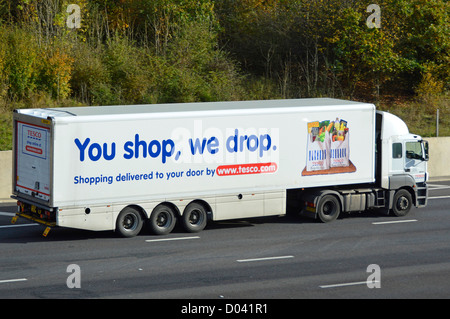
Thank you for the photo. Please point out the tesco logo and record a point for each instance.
(34, 134)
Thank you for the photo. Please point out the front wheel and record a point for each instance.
(402, 203)
(129, 222)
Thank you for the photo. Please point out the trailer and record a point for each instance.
(122, 167)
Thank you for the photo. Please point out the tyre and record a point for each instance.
(162, 220)
(194, 218)
(129, 222)
(402, 203)
(328, 208)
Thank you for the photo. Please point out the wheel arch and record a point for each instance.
(140, 209)
(171, 205)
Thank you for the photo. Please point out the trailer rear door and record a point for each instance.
(32, 160)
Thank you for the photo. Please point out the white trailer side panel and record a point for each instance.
(126, 158)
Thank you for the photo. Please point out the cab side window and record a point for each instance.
(397, 150)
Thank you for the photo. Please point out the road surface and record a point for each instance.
(268, 258)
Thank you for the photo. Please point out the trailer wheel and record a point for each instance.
(162, 220)
(129, 222)
(402, 203)
(194, 218)
(328, 208)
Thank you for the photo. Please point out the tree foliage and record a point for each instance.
(150, 51)
(124, 52)
(325, 47)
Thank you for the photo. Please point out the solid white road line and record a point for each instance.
(12, 280)
(170, 239)
(20, 225)
(439, 197)
(7, 214)
(435, 186)
(395, 222)
(263, 259)
(348, 284)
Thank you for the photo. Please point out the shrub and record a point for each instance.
(20, 63)
(90, 78)
(55, 70)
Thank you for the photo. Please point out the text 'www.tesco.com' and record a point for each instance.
(241, 169)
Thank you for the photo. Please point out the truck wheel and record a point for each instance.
(129, 222)
(194, 218)
(328, 208)
(402, 203)
(162, 220)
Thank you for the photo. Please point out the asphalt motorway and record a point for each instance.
(363, 255)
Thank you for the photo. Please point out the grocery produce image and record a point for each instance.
(328, 148)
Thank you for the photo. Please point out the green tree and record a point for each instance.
(20, 63)
(363, 54)
(425, 39)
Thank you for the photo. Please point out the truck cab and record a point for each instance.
(410, 155)
(402, 163)
(400, 177)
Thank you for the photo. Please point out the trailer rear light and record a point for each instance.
(20, 207)
(310, 204)
(44, 214)
(47, 215)
(311, 207)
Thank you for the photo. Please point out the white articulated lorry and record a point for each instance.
(120, 167)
